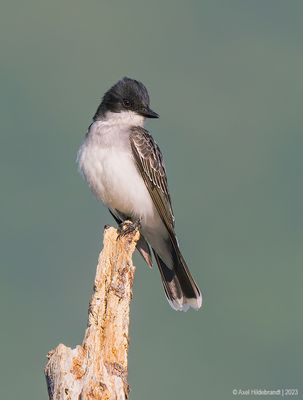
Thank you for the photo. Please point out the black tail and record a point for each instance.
(180, 288)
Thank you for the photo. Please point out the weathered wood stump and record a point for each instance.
(97, 369)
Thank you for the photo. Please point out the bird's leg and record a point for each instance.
(127, 227)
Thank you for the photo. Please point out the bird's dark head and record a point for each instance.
(126, 95)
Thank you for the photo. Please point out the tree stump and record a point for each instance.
(97, 369)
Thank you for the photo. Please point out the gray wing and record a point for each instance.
(151, 166)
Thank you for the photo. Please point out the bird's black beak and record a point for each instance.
(148, 113)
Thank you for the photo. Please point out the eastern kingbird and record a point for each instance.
(124, 168)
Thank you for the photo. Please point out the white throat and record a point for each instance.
(127, 118)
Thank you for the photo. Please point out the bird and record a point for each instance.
(125, 170)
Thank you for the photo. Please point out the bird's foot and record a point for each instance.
(127, 227)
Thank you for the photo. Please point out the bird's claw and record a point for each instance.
(128, 227)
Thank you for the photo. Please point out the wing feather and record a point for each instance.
(151, 166)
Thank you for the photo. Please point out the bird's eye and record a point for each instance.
(126, 103)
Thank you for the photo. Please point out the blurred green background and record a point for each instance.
(226, 78)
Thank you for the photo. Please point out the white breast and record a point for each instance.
(105, 159)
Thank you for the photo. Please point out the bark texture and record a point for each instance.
(97, 369)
